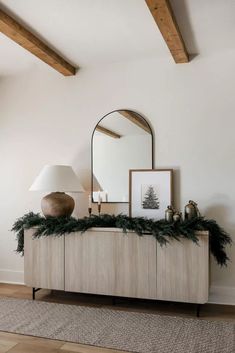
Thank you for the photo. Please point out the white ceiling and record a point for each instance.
(97, 32)
(86, 32)
(207, 26)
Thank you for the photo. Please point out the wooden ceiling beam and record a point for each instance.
(108, 132)
(165, 19)
(22, 36)
(135, 119)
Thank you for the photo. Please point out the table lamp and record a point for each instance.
(58, 179)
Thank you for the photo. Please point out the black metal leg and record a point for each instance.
(198, 310)
(34, 291)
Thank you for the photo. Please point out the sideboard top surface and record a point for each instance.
(120, 230)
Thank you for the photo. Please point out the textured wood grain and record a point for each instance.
(44, 261)
(6, 345)
(22, 36)
(183, 270)
(107, 132)
(164, 17)
(111, 263)
(135, 119)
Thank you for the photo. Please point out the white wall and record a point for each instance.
(46, 118)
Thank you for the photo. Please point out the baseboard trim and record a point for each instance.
(12, 277)
(222, 295)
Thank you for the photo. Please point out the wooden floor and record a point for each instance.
(25, 344)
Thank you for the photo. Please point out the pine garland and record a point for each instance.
(161, 230)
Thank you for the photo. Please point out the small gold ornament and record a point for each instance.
(169, 214)
(177, 216)
(191, 210)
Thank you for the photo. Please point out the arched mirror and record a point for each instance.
(122, 140)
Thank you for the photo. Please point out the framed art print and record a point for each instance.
(150, 192)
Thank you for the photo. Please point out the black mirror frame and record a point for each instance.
(152, 150)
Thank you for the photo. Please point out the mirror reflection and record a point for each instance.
(122, 140)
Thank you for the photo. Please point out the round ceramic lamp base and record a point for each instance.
(57, 204)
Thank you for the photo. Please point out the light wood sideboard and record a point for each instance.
(43, 261)
(183, 270)
(109, 262)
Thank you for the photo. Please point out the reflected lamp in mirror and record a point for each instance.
(57, 179)
(122, 140)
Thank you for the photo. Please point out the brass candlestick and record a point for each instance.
(99, 208)
(89, 211)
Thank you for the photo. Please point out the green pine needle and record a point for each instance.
(161, 229)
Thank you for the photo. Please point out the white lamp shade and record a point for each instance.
(55, 178)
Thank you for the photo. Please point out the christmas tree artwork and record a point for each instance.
(149, 197)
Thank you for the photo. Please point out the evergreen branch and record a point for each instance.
(161, 230)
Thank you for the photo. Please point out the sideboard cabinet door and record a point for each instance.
(111, 263)
(183, 270)
(43, 261)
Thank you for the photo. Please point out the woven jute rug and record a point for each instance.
(130, 331)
